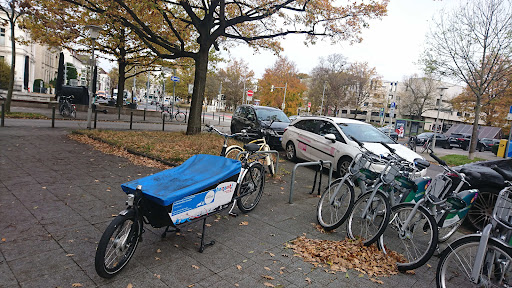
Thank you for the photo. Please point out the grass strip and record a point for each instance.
(456, 160)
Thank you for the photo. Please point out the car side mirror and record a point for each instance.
(330, 137)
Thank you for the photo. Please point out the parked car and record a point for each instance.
(487, 143)
(293, 117)
(390, 132)
(441, 139)
(316, 138)
(462, 140)
(253, 118)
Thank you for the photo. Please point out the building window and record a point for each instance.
(459, 113)
(2, 36)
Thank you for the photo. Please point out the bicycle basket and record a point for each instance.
(502, 212)
(359, 162)
(439, 186)
(389, 173)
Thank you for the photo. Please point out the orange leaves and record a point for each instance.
(347, 254)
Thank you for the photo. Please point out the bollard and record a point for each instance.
(95, 118)
(3, 115)
(131, 119)
(219, 120)
(203, 116)
(222, 117)
(144, 114)
(163, 122)
(186, 116)
(53, 117)
(213, 115)
(118, 112)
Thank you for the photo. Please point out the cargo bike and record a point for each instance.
(202, 186)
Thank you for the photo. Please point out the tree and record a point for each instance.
(363, 81)
(5, 74)
(13, 10)
(418, 96)
(472, 44)
(190, 29)
(236, 76)
(282, 74)
(64, 24)
(329, 83)
(71, 71)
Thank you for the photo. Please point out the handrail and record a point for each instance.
(308, 164)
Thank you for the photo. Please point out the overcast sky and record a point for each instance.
(391, 45)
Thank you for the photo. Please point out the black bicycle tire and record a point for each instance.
(180, 117)
(392, 233)
(342, 220)
(99, 260)
(240, 201)
(454, 247)
(382, 225)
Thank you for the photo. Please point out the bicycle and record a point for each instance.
(66, 108)
(202, 186)
(337, 200)
(426, 217)
(178, 116)
(411, 144)
(427, 146)
(234, 151)
(482, 259)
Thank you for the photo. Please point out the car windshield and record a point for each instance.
(425, 135)
(364, 133)
(266, 115)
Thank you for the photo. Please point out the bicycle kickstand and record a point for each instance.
(203, 245)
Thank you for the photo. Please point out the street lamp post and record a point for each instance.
(437, 118)
(93, 33)
(322, 106)
(284, 98)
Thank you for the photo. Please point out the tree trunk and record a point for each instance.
(11, 77)
(474, 134)
(120, 84)
(194, 118)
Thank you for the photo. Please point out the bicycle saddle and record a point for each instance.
(507, 175)
(252, 147)
(196, 174)
(421, 164)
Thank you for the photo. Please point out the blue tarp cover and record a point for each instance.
(194, 175)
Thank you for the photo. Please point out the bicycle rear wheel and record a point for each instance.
(251, 187)
(335, 204)
(417, 242)
(233, 152)
(457, 260)
(369, 225)
(180, 117)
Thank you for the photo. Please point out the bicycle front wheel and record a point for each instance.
(233, 152)
(117, 245)
(335, 204)
(425, 147)
(369, 224)
(180, 117)
(416, 242)
(251, 187)
(457, 260)
(447, 231)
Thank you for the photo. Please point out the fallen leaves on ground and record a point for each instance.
(267, 277)
(109, 149)
(321, 229)
(244, 223)
(347, 254)
(269, 284)
(195, 267)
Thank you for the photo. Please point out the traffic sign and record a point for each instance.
(175, 78)
(393, 105)
(381, 113)
(250, 93)
(309, 104)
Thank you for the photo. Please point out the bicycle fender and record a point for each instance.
(128, 212)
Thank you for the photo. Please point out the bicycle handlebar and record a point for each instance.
(440, 161)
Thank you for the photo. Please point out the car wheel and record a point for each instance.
(290, 151)
(481, 149)
(343, 165)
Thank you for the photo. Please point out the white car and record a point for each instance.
(316, 138)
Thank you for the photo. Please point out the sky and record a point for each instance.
(392, 45)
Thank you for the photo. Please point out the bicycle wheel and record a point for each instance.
(117, 245)
(251, 187)
(446, 232)
(335, 204)
(65, 111)
(372, 225)
(233, 152)
(180, 117)
(457, 260)
(425, 147)
(73, 113)
(416, 242)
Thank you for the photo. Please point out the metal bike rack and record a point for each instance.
(262, 152)
(308, 164)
